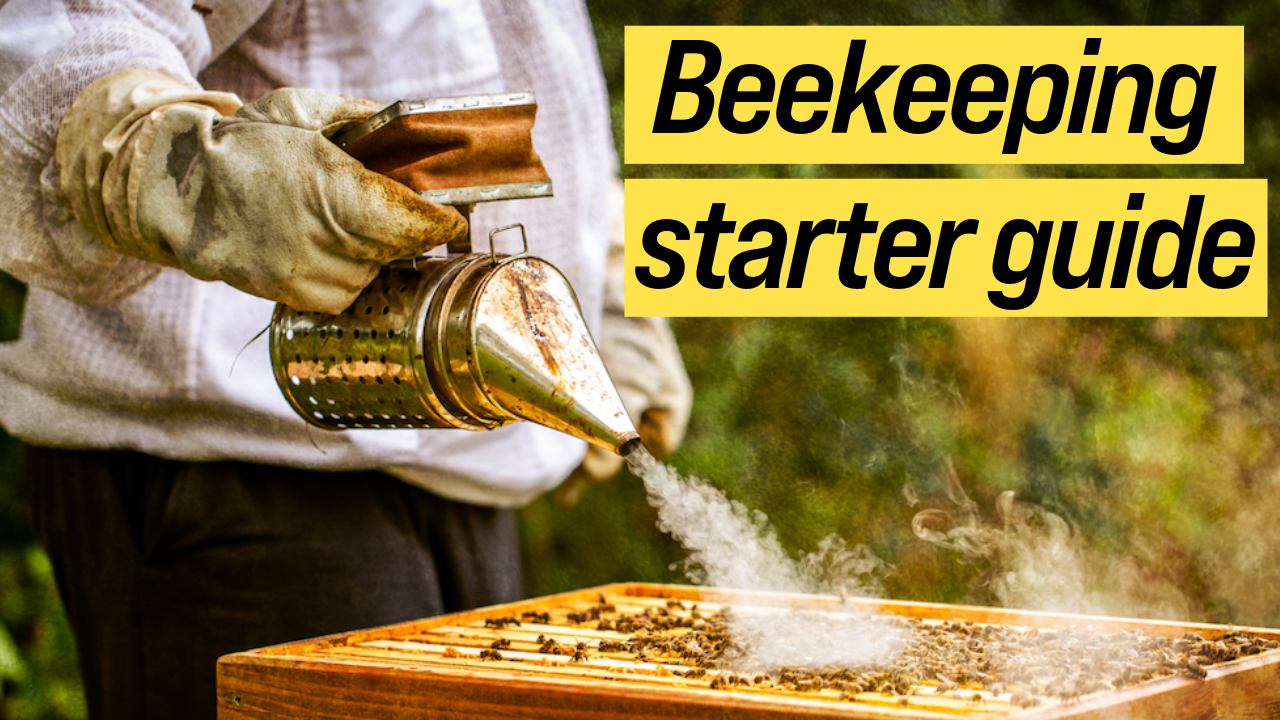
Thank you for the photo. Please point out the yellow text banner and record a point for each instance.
(934, 95)
(950, 248)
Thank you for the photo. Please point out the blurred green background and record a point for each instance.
(1157, 440)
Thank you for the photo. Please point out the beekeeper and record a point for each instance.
(155, 218)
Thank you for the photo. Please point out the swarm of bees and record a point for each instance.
(592, 613)
(966, 662)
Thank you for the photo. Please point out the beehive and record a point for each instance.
(449, 667)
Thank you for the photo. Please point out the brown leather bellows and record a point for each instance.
(453, 149)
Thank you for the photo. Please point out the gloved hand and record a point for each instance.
(259, 199)
(644, 361)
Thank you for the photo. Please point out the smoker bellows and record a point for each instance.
(468, 340)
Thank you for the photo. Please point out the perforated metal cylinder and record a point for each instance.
(368, 366)
(470, 341)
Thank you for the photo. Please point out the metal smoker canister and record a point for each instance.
(472, 341)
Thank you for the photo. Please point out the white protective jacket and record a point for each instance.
(154, 371)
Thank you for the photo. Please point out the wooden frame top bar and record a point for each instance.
(433, 668)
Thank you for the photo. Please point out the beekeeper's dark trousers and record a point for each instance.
(164, 566)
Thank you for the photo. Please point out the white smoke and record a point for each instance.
(1037, 560)
(733, 547)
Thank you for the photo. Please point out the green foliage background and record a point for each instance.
(1157, 439)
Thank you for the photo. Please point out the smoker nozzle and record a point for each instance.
(534, 358)
(629, 446)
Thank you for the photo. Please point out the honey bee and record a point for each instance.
(1025, 701)
(945, 684)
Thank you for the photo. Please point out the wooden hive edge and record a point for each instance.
(1245, 688)
(299, 685)
(943, 611)
(389, 631)
(901, 608)
(275, 688)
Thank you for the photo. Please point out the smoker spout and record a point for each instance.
(630, 446)
(534, 358)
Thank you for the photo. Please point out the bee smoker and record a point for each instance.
(469, 340)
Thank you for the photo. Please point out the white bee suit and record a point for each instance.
(116, 352)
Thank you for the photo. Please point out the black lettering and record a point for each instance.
(1080, 102)
(711, 229)
(1124, 254)
(1062, 275)
(1111, 77)
(965, 94)
(1084, 88)
(852, 97)
(673, 84)
(1128, 236)
(947, 240)
(789, 95)
(808, 233)
(887, 251)
(1018, 119)
(1193, 121)
(732, 94)
(774, 253)
(907, 94)
(1210, 250)
(853, 228)
(1186, 234)
(1031, 274)
(661, 253)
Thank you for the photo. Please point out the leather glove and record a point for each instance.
(254, 196)
(644, 361)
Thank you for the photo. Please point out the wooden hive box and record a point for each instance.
(432, 669)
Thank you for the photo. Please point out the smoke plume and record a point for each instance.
(733, 547)
(1035, 560)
